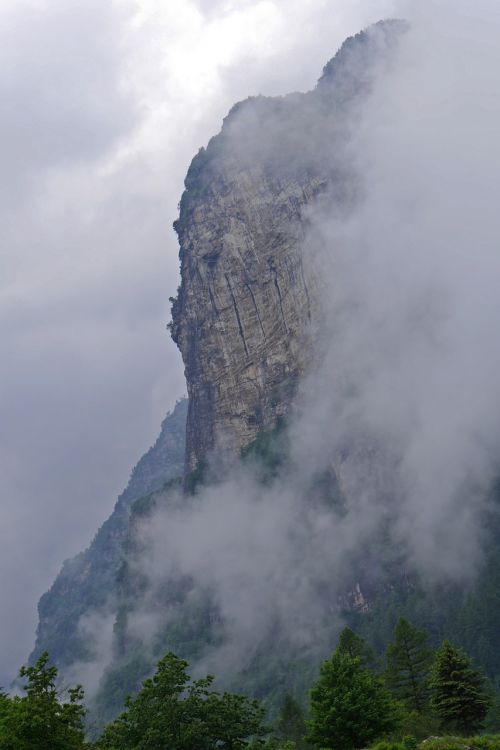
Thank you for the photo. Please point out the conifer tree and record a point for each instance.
(459, 694)
(409, 661)
(350, 707)
(353, 645)
(291, 724)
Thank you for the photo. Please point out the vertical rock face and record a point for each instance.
(245, 307)
(248, 301)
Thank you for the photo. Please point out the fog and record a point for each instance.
(103, 106)
(403, 399)
(104, 109)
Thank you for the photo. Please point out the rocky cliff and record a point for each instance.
(244, 307)
(247, 304)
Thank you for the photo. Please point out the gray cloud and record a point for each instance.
(63, 87)
(87, 368)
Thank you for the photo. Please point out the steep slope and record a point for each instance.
(87, 582)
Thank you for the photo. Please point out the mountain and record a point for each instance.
(246, 537)
(245, 318)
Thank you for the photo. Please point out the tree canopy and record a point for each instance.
(459, 694)
(352, 644)
(409, 662)
(173, 712)
(350, 707)
(40, 719)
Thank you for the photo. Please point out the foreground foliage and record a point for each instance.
(173, 712)
(350, 707)
(482, 742)
(459, 694)
(354, 703)
(40, 720)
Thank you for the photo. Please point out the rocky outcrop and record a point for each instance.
(248, 301)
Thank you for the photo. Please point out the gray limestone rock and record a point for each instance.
(248, 301)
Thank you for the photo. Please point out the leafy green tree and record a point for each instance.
(5, 706)
(409, 662)
(350, 706)
(39, 720)
(459, 694)
(353, 645)
(173, 712)
(231, 719)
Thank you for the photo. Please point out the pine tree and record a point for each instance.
(353, 645)
(350, 708)
(459, 695)
(409, 661)
(291, 724)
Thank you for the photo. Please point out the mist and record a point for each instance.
(104, 106)
(413, 307)
(403, 400)
(401, 403)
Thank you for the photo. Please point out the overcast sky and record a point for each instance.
(103, 104)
